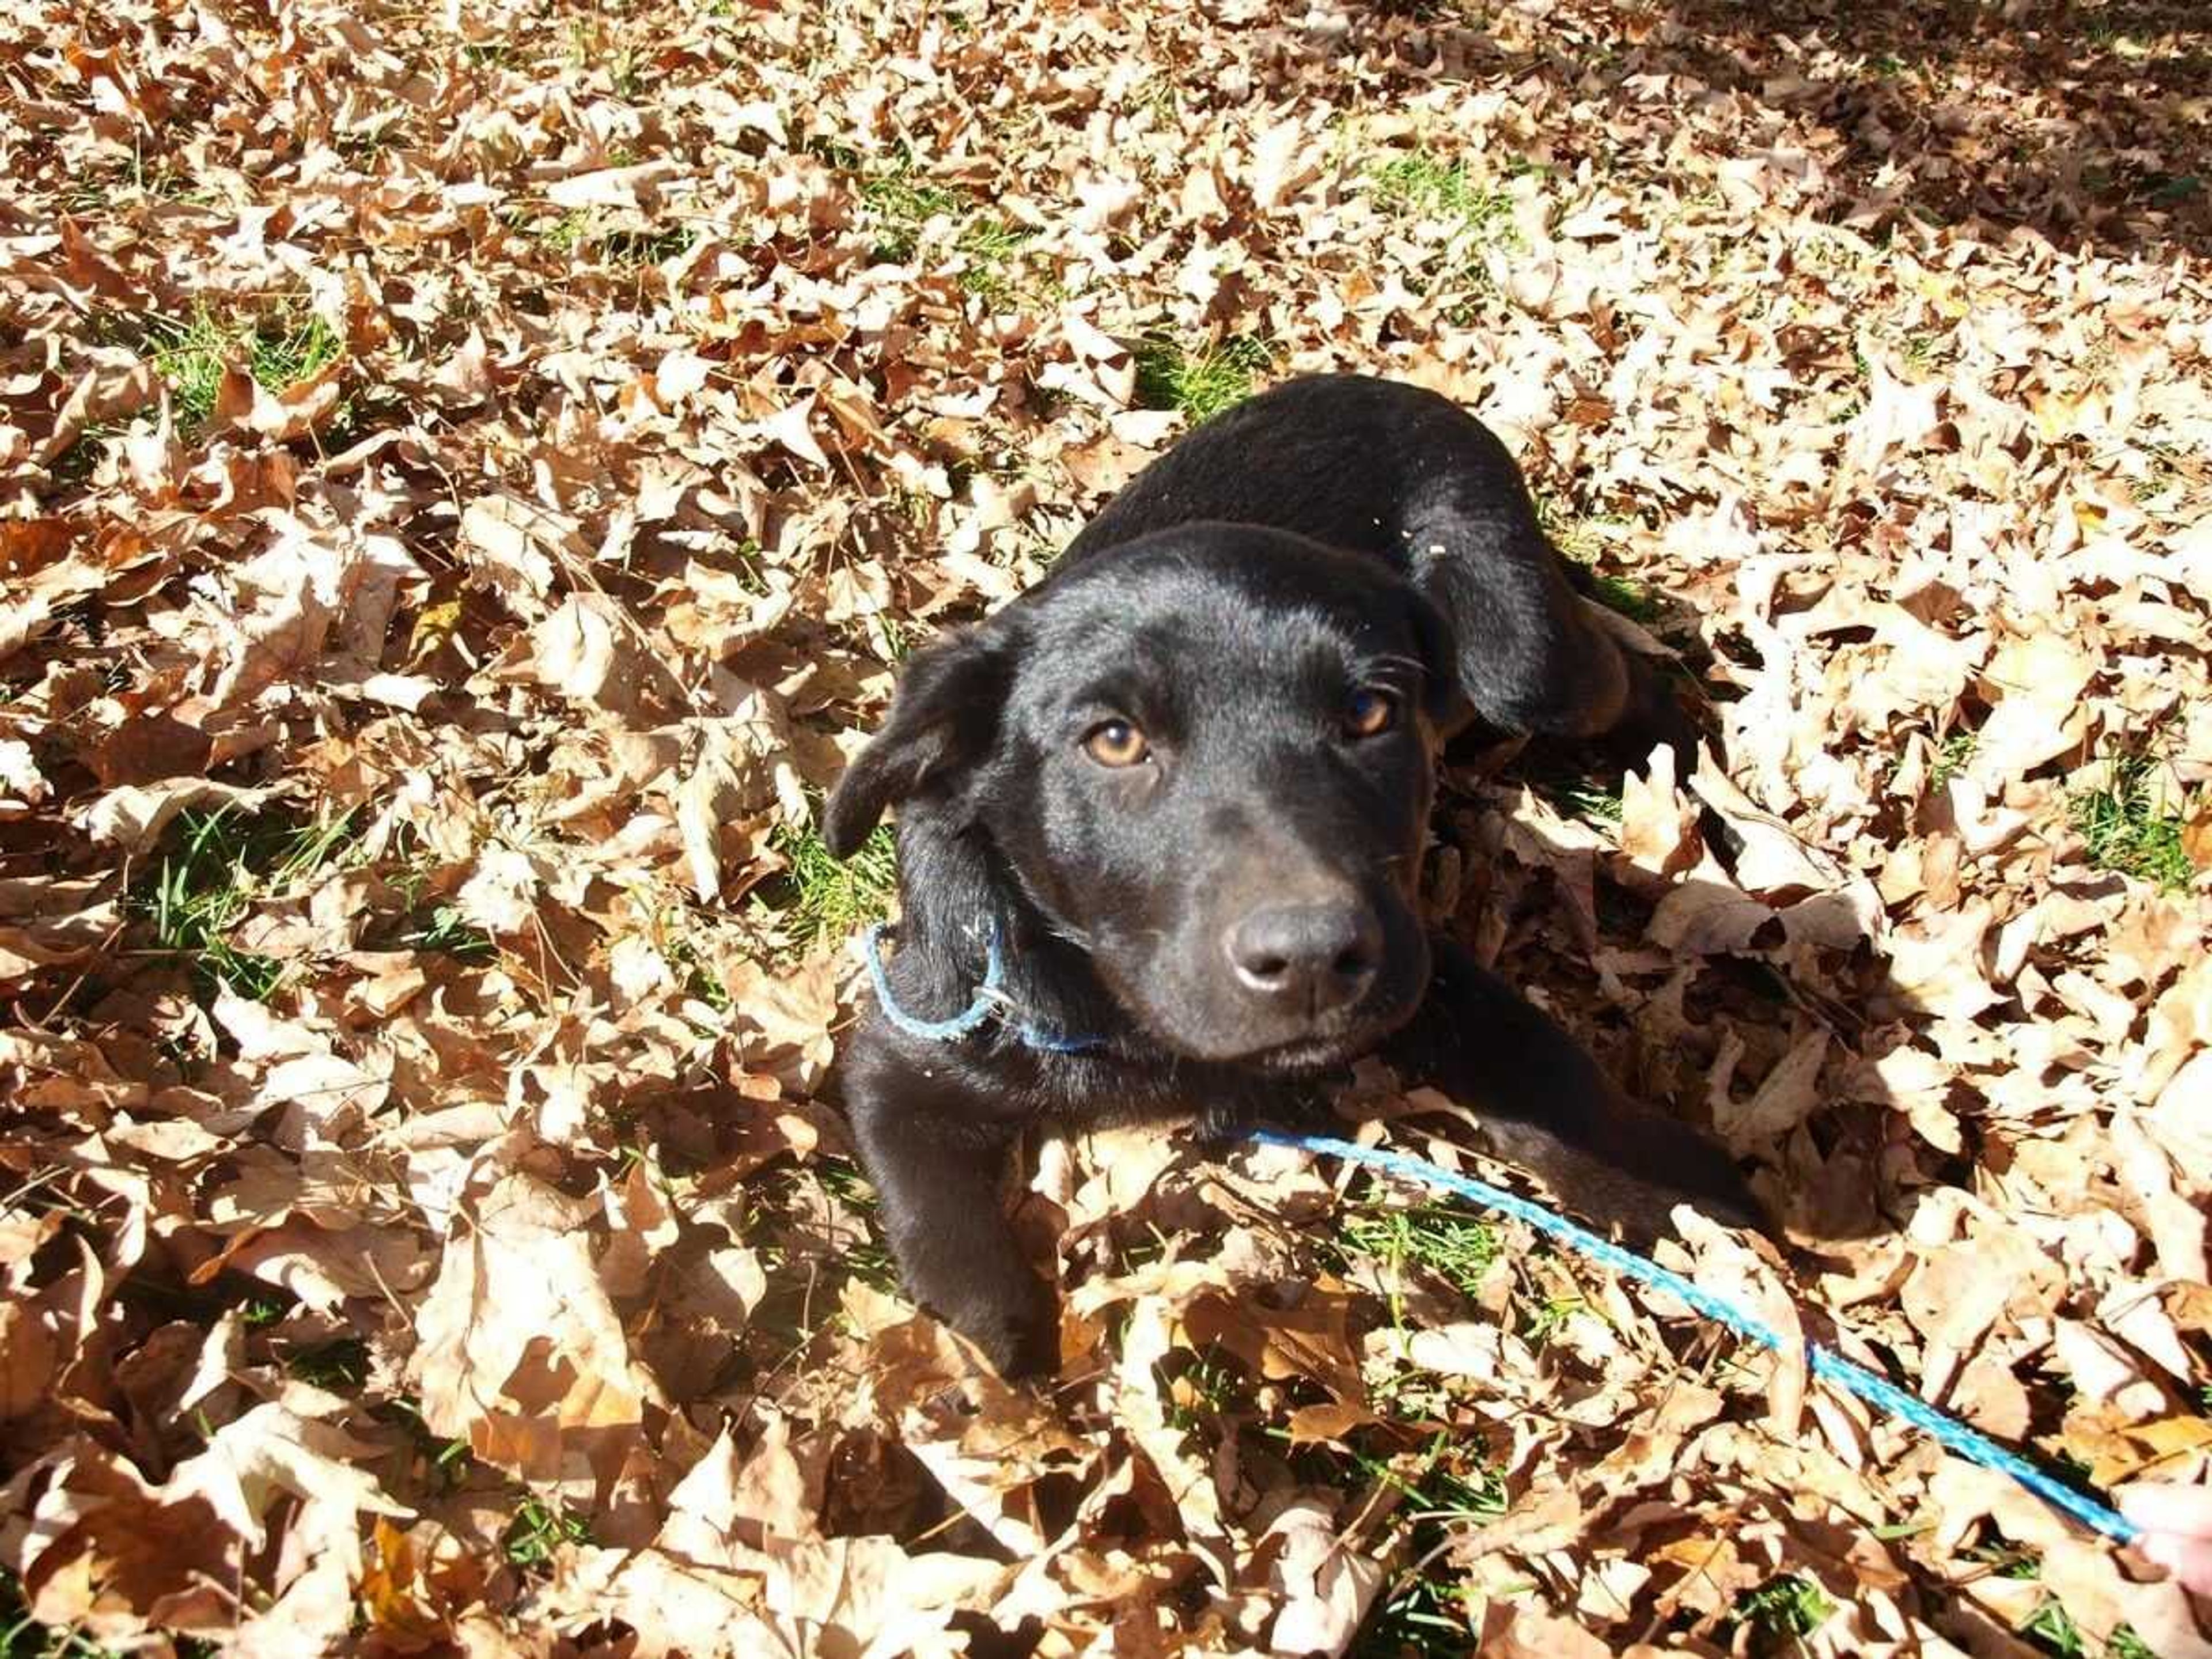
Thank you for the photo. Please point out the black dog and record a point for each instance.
(1162, 818)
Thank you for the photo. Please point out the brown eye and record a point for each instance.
(1370, 713)
(1116, 744)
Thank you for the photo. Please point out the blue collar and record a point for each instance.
(989, 999)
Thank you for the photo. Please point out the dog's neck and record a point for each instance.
(957, 892)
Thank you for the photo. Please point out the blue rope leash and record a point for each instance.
(1830, 1366)
(935, 1030)
(988, 1000)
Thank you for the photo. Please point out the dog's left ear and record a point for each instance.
(1442, 697)
(943, 717)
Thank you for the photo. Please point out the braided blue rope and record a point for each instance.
(935, 1030)
(1827, 1365)
(1823, 1363)
(988, 1000)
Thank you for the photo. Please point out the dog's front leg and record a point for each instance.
(938, 1172)
(1551, 1108)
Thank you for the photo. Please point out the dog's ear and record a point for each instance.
(1442, 696)
(943, 717)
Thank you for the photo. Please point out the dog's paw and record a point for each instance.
(1684, 1167)
(1700, 1172)
(1015, 1325)
(1630, 1184)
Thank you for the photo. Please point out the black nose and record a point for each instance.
(1314, 957)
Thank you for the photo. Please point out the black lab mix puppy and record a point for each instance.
(1161, 822)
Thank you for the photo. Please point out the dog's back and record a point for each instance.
(1404, 474)
(1358, 463)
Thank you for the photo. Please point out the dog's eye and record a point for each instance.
(1370, 713)
(1116, 744)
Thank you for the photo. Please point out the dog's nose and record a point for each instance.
(1315, 956)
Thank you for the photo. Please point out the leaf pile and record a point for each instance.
(469, 474)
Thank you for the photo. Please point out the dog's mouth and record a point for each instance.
(1277, 1047)
(1314, 1054)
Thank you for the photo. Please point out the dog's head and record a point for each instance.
(1207, 757)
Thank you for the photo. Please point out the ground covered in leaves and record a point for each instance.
(471, 471)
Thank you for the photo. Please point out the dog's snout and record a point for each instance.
(1315, 957)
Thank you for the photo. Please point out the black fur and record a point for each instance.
(1233, 917)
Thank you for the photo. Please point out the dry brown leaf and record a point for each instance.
(521, 1351)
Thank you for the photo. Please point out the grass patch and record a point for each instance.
(1204, 1391)
(1203, 384)
(568, 233)
(537, 1531)
(1625, 597)
(1592, 804)
(446, 1462)
(903, 206)
(74, 465)
(1540, 1325)
(23, 1637)
(2132, 826)
(1779, 1614)
(1422, 183)
(821, 897)
(1922, 349)
(1447, 200)
(634, 249)
(222, 863)
(700, 980)
(428, 924)
(815, 1226)
(1420, 1616)
(841, 1178)
(591, 45)
(448, 932)
(865, 1259)
(991, 248)
(1578, 539)
(1954, 754)
(342, 1366)
(2051, 1628)
(1423, 1611)
(279, 348)
(581, 233)
(159, 177)
(1454, 1248)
